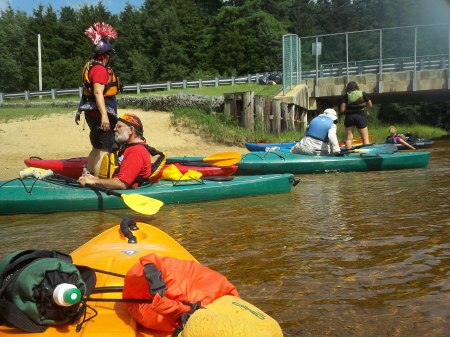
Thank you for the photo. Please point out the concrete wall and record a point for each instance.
(395, 86)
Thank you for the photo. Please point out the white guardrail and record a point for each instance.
(325, 70)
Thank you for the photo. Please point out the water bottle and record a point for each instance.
(66, 294)
(85, 170)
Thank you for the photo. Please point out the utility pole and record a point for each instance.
(39, 62)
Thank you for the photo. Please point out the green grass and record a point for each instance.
(258, 89)
(224, 131)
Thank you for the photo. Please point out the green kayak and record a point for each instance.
(286, 162)
(31, 195)
(282, 162)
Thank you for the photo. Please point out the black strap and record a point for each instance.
(89, 278)
(156, 283)
(185, 317)
(10, 314)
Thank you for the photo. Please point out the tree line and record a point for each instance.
(166, 40)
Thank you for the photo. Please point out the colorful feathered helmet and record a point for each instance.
(100, 34)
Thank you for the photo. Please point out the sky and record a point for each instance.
(114, 6)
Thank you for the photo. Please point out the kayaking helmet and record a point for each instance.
(103, 47)
(331, 113)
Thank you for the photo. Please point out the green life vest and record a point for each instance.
(356, 100)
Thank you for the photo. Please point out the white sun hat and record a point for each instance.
(331, 113)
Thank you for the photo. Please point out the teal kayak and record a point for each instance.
(282, 162)
(32, 195)
(285, 162)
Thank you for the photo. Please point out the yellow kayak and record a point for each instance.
(110, 251)
(112, 254)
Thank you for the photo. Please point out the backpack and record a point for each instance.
(410, 138)
(28, 279)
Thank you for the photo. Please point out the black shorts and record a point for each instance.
(355, 119)
(102, 140)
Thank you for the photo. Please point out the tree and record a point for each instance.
(13, 36)
(247, 40)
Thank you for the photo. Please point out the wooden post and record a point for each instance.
(267, 114)
(260, 123)
(248, 110)
(291, 119)
(284, 116)
(303, 120)
(237, 112)
(229, 105)
(276, 121)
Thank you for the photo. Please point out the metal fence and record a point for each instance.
(378, 50)
(291, 62)
(394, 49)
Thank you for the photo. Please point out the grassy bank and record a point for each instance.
(221, 130)
(225, 131)
(216, 127)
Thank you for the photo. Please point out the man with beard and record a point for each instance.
(133, 159)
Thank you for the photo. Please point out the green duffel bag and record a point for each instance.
(40, 288)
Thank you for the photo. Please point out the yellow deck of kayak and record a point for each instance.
(110, 251)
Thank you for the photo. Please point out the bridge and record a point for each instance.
(405, 79)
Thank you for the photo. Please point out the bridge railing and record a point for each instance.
(373, 66)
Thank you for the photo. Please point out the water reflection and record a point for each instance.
(350, 254)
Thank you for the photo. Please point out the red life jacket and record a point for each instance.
(185, 281)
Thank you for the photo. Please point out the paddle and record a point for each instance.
(375, 149)
(137, 202)
(218, 159)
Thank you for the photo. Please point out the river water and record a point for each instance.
(344, 254)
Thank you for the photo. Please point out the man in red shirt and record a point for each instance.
(134, 160)
(100, 87)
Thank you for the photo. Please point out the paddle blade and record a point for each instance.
(142, 204)
(377, 149)
(223, 158)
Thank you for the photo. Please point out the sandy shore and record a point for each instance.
(57, 137)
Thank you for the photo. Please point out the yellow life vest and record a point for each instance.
(111, 89)
(110, 164)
